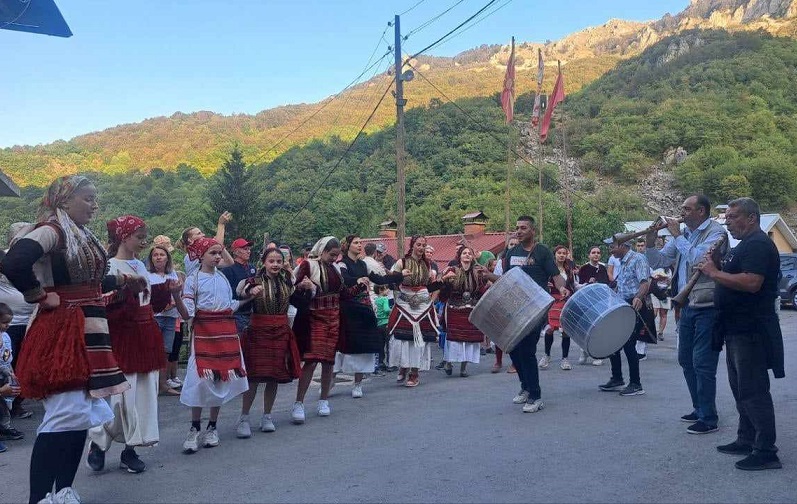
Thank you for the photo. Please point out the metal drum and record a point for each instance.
(598, 319)
(510, 309)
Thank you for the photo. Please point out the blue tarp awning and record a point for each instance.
(33, 16)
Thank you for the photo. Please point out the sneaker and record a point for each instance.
(690, 418)
(521, 397)
(534, 406)
(565, 365)
(735, 448)
(496, 368)
(297, 413)
(392, 369)
(701, 428)
(545, 361)
(483, 351)
(96, 458)
(10, 434)
(64, 496)
(378, 373)
(583, 358)
(131, 462)
(177, 380)
(3, 448)
(323, 408)
(211, 437)
(357, 391)
(597, 362)
(244, 429)
(632, 389)
(19, 412)
(759, 461)
(267, 424)
(612, 385)
(661, 336)
(642, 357)
(511, 369)
(191, 443)
(173, 384)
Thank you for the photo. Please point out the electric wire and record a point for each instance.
(430, 21)
(475, 23)
(451, 32)
(411, 8)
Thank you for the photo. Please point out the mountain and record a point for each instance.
(203, 139)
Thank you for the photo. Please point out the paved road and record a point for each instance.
(460, 440)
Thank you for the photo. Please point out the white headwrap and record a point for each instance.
(315, 259)
(320, 245)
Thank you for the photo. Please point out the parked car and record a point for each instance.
(788, 281)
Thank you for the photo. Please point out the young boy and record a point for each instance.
(382, 314)
(9, 388)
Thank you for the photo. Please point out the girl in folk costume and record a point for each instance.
(215, 371)
(317, 327)
(566, 267)
(66, 359)
(413, 321)
(163, 279)
(463, 286)
(191, 234)
(361, 339)
(138, 348)
(269, 346)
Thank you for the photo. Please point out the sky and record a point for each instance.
(132, 60)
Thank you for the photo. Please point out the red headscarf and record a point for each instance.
(198, 247)
(123, 227)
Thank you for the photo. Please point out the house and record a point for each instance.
(474, 233)
(771, 223)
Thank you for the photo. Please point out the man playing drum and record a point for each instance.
(695, 355)
(537, 261)
(632, 285)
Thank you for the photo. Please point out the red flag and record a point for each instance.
(537, 110)
(556, 97)
(508, 94)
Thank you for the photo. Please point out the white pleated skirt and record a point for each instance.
(354, 363)
(203, 393)
(461, 351)
(405, 354)
(135, 421)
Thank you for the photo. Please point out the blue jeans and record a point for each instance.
(699, 361)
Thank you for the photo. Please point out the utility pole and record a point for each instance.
(400, 184)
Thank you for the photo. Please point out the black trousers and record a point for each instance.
(524, 358)
(749, 380)
(633, 362)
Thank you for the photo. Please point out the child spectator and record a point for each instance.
(9, 387)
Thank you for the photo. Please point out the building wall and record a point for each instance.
(780, 241)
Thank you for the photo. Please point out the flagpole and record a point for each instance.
(568, 202)
(540, 155)
(509, 161)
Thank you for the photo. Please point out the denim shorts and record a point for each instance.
(167, 325)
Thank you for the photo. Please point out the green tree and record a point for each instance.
(233, 189)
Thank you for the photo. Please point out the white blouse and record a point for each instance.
(208, 292)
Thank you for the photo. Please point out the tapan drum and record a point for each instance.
(598, 319)
(510, 309)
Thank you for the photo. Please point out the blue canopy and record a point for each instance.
(34, 16)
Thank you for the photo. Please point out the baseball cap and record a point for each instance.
(381, 248)
(241, 243)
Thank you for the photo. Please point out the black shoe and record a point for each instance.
(131, 462)
(10, 434)
(691, 418)
(483, 351)
(701, 428)
(20, 412)
(3, 448)
(448, 369)
(632, 389)
(642, 357)
(735, 449)
(96, 458)
(661, 336)
(392, 369)
(490, 350)
(759, 461)
(441, 365)
(378, 372)
(612, 385)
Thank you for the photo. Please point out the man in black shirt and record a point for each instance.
(745, 293)
(240, 270)
(536, 260)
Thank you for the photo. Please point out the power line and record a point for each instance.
(411, 8)
(498, 8)
(340, 160)
(487, 130)
(430, 21)
(491, 2)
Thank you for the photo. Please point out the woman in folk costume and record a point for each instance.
(138, 348)
(566, 268)
(66, 359)
(317, 327)
(361, 339)
(215, 373)
(463, 286)
(269, 345)
(413, 321)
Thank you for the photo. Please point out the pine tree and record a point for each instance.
(232, 188)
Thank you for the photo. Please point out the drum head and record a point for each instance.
(610, 332)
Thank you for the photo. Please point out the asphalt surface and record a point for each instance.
(458, 439)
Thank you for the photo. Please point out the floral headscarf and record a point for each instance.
(197, 248)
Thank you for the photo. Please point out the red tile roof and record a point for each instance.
(445, 246)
